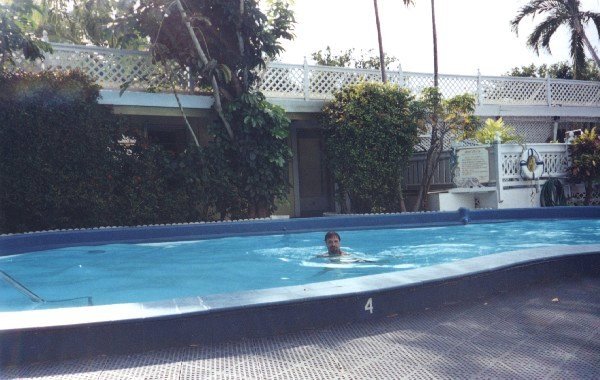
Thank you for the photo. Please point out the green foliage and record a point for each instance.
(15, 37)
(53, 143)
(559, 13)
(370, 131)
(62, 165)
(219, 27)
(108, 23)
(148, 185)
(487, 133)
(585, 161)
(256, 172)
(366, 60)
(252, 161)
(560, 70)
(454, 115)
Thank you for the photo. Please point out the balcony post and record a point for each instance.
(305, 82)
(497, 147)
(548, 92)
(478, 87)
(401, 80)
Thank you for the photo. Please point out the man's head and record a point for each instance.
(332, 240)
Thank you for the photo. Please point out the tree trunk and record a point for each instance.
(204, 59)
(381, 54)
(589, 189)
(589, 46)
(435, 52)
(431, 161)
(433, 153)
(241, 46)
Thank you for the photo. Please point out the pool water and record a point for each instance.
(120, 273)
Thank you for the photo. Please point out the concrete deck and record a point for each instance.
(550, 331)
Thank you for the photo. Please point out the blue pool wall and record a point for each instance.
(37, 241)
(265, 313)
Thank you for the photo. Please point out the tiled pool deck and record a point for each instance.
(549, 331)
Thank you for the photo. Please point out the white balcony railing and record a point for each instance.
(112, 67)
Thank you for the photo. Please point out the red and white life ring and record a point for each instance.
(532, 165)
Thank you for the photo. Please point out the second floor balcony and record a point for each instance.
(304, 88)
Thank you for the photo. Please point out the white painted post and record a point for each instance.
(548, 92)
(498, 163)
(306, 83)
(478, 87)
(401, 82)
(45, 39)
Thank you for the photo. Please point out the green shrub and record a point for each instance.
(370, 131)
(585, 161)
(53, 143)
(253, 166)
(487, 133)
(63, 167)
(148, 185)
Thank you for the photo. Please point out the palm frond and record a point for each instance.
(591, 16)
(531, 9)
(542, 34)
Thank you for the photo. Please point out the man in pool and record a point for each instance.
(333, 241)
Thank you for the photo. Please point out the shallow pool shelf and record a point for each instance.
(63, 333)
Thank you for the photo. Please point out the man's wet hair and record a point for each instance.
(331, 234)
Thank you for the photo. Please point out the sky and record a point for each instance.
(472, 34)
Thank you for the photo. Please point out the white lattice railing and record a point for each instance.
(320, 82)
(555, 157)
(113, 67)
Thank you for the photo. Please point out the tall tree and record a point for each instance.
(379, 38)
(560, 13)
(225, 43)
(435, 51)
(438, 132)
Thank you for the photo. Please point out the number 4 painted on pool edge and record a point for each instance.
(369, 305)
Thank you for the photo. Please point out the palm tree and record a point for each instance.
(560, 12)
(436, 143)
(435, 53)
(381, 54)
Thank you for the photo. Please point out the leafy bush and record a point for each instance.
(585, 161)
(63, 166)
(370, 131)
(148, 185)
(53, 143)
(487, 133)
(253, 165)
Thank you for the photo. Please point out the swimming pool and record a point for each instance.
(66, 332)
(124, 273)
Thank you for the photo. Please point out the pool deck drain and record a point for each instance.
(549, 331)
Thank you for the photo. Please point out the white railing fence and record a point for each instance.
(113, 67)
(554, 156)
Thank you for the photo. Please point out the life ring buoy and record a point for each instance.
(532, 165)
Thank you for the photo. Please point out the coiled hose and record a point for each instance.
(553, 194)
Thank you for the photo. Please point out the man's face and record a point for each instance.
(333, 246)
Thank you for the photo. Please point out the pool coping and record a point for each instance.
(52, 334)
